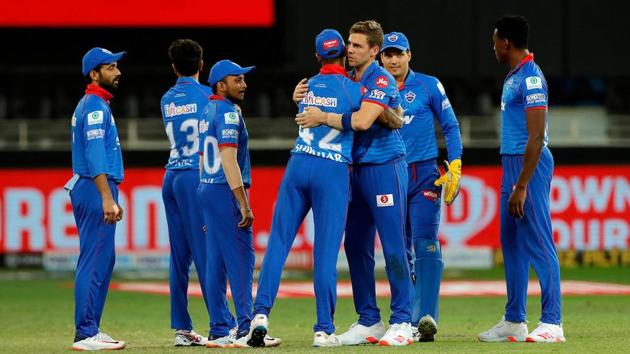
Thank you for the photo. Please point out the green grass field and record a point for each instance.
(36, 316)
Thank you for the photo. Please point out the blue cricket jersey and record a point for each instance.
(182, 106)
(222, 125)
(378, 144)
(424, 99)
(95, 144)
(331, 91)
(524, 88)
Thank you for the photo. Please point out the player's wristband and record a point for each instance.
(346, 121)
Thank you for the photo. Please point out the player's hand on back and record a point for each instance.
(311, 117)
(247, 218)
(300, 90)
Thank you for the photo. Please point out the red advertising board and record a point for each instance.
(590, 210)
(137, 13)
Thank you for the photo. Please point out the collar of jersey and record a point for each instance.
(529, 57)
(186, 80)
(220, 98)
(98, 91)
(332, 69)
(408, 80)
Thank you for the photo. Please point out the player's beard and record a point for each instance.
(110, 86)
(235, 99)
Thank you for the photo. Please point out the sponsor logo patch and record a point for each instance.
(431, 195)
(410, 96)
(384, 200)
(533, 82)
(363, 90)
(536, 98)
(382, 81)
(171, 110)
(95, 134)
(95, 117)
(333, 43)
(231, 118)
(446, 104)
(229, 134)
(378, 94)
(441, 88)
(312, 100)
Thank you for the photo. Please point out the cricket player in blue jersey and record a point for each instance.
(222, 193)
(98, 169)
(526, 235)
(317, 177)
(424, 99)
(181, 107)
(379, 194)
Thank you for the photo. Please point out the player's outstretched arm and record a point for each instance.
(235, 181)
(393, 119)
(359, 121)
(300, 90)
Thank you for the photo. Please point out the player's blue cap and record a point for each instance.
(396, 40)
(224, 68)
(97, 56)
(329, 44)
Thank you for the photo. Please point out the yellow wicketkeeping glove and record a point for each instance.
(451, 180)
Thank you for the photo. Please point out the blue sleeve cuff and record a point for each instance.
(346, 121)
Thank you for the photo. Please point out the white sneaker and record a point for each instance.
(398, 334)
(322, 339)
(101, 341)
(242, 342)
(360, 334)
(415, 333)
(222, 342)
(546, 333)
(185, 338)
(258, 331)
(271, 342)
(427, 328)
(505, 331)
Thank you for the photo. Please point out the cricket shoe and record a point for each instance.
(271, 342)
(101, 341)
(427, 328)
(546, 333)
(415, 332)
(505, 331)
(360, 334)
(240, 340)
(221, 342)
(398, 334)
(258, 331)
(322, 339)
(185, 338)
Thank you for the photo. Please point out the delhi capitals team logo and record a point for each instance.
(410, 96)
(392, 38)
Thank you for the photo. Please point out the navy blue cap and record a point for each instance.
(329, 44)
(396, 40)
(97, 56)
(224, 68)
